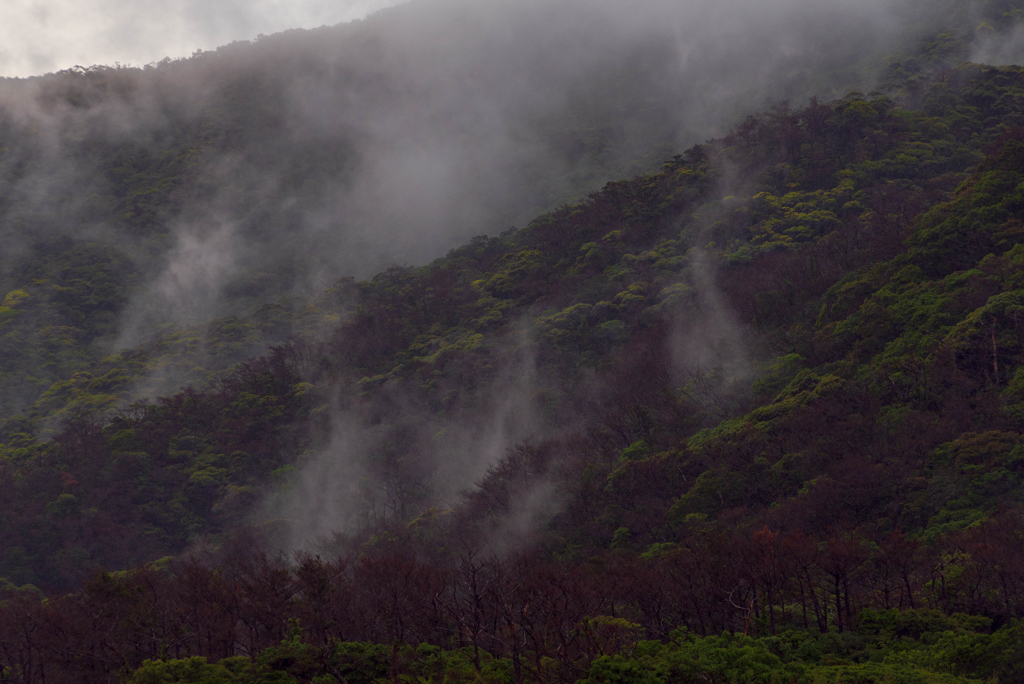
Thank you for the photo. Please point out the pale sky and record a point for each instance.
(40, 36)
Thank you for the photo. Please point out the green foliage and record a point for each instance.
(906, 647)
(797, 657)
(198, 671)
(868, 254)
(352, 662)
(862, 275)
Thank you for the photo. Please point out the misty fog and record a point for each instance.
(276, 167)
(312, 155)
(376, 470)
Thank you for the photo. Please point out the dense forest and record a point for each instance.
(754, 415)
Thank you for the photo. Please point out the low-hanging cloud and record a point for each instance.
(308, 156)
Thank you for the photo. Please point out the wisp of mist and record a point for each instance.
(308, 156)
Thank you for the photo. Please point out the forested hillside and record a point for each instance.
(757, 416)
(137, 204)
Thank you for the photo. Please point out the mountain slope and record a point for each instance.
(773, 389)
(632, 320)
(223, 182)
(868, 500)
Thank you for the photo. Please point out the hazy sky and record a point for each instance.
(39, 36)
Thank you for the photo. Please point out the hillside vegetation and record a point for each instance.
(142, 202)
(755, 417)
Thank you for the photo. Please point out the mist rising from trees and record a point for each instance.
(282, 165)
(260, 171)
